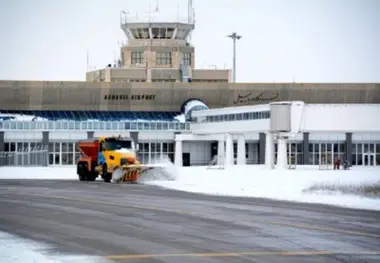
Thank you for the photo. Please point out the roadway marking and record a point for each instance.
(240, 254)
(152, 208)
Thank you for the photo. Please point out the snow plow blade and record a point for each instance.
(131, 173)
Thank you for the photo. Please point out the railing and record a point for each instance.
(94, 125)
(25, 157)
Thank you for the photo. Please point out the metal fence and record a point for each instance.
(37, 156)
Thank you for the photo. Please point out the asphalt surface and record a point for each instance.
(140, 223)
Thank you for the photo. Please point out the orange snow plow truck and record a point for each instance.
(112, 158)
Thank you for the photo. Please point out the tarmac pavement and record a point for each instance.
(141, 223)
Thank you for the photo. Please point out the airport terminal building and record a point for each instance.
(154, 95)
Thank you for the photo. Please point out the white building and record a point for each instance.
(304, 133)
(299, 133)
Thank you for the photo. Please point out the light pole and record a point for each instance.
(234, 36)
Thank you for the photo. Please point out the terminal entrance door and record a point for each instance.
(369, 154)
(369, 159)
(185, 159)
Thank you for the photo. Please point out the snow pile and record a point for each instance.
(15, 249)
(164, 171)
(291, 185)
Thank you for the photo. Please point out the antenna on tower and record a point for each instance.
(189, 11)
(157, 6)
(190, 14)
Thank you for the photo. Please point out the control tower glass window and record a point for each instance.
(186, 60)
(137, 58)
(164, 58)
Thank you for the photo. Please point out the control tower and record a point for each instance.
(157, 50)
(154, 43)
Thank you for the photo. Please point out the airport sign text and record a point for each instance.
(257, 97)
(129, 97)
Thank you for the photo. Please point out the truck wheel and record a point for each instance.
(91, 176)
(82, 171)
(106, 175)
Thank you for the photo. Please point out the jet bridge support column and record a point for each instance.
(178, 153)
(229, 159)
(282, 153)
(269, 150)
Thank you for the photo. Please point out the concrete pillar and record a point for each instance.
(221, 152)
(135, 137)
(348, 147)
(268, 150)
(90, 134)
(178, 153)
(229, 159)
(45, 145)
(2, 141)
(241, 160)
(262, 148)
(305, 149)
(45, 139)
(282, 161)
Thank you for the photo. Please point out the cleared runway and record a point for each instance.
(140, 223)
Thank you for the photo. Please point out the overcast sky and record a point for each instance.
(309, 40)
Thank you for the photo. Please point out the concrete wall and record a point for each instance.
(139, 73)
(349, 118)
(57, 95)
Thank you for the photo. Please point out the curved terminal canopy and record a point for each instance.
(192, 105)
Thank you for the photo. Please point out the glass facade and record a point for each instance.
(363, 154)
(326, 153)
(239, 116)
(63, 153)
(67, 153)
(367, 154)
(58, 115)
(93, 125)
(149, 152)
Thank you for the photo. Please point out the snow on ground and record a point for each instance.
(347, 188)
(15, 249)
(300, 185)
(61, 173)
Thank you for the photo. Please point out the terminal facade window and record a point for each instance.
(63, 153)
(163, 58)
(152, 151)
(366, 154)
(186, 60)
(239, 116)
(137, 58)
